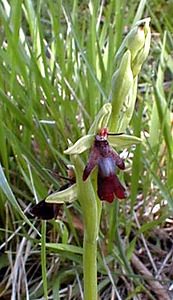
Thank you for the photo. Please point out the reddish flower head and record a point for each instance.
(106, 159)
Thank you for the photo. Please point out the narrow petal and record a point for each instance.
(118, 160)
(92, 162)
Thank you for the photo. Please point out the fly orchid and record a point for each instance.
(103, 156)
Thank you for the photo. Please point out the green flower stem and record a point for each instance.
(90, 269)
(43, 258)
(91, 217)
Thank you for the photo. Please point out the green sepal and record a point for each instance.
(83, 144)
(102, 118)
(123, 141)
(86, 142)
(68, 195)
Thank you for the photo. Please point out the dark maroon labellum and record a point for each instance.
(103, 156)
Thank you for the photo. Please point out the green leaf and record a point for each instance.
(65, 247)
(4, 186)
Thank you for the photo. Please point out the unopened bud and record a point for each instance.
(121, 84)
(135, 40)
(140, 56)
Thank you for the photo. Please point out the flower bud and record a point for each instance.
(142, 53)
(135, 40)
(121, 84)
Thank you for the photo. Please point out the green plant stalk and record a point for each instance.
(91, 216)
(43, 258)
(90, 268)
